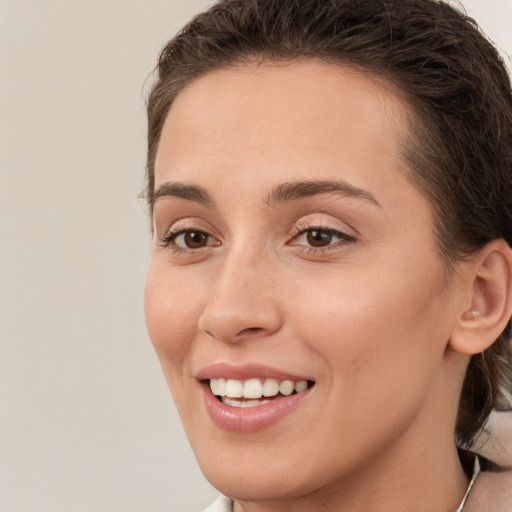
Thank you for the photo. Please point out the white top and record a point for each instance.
(223, 504)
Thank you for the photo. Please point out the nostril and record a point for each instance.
(251, 330)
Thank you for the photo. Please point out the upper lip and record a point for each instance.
(245, 372)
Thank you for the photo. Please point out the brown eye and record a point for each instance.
(318, 237)
(188, 239)
(192, 239)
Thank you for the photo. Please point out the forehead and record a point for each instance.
(296, 111)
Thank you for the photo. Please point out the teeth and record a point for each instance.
(221, 387)
(234, 388)
(214, 386)
(301, 386)
(286, 387)
(270, 387)
(244, 403)
(253, 389)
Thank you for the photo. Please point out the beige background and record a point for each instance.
(86, 420)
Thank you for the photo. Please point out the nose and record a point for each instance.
(244, 300)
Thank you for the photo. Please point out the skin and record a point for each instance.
(368, 318)
(493, 490)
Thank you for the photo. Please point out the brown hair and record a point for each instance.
(459, 93)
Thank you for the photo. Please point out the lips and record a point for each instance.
(251, 397)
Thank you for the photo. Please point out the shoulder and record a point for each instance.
(492, 492)
(495, 442)
(221, 504)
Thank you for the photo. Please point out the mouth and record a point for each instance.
(252, 397)
(255, 392)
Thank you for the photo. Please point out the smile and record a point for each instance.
(254, 392)
(252, 397)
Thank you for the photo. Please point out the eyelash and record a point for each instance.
(343, 238)
(168, 241)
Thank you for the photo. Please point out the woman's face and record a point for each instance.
(289, 246)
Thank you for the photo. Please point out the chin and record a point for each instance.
(259, 472)
(254, 484)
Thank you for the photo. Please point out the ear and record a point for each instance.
(486, 308)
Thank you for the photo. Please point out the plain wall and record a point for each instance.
(86, 421)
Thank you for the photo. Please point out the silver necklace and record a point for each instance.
(476, 472)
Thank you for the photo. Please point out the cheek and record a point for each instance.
(372, 342)
(374, 327)
(171, 317)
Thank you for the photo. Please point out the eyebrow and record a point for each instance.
(294, 190)
(290, 191)
(183, 191)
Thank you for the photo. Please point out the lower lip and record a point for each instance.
(250, 419)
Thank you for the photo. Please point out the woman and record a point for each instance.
(330, 285)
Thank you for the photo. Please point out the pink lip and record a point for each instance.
(244, 372)
(250, 419)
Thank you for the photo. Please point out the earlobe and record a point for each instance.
(488, 308)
